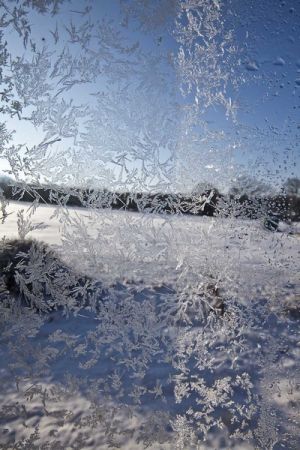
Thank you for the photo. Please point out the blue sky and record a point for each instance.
(261, 140)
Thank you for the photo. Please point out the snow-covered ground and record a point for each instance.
(123, 376)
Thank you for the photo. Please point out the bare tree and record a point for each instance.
(292, 186)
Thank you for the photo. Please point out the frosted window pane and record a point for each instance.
(149, 224)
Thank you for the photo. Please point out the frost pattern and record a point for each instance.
(148, 328)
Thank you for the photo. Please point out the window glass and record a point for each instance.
(149, 224)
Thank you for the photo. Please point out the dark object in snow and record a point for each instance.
(292, 306)
(271, 222)
(197, 302)
(36, 276)
(215, 300)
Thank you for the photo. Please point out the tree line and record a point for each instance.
(200, 202)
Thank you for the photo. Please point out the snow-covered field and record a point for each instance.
(144, 370)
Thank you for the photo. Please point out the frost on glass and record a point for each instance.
(149, 212)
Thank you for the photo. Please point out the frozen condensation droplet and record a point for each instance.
(279, 61)
(252, 66)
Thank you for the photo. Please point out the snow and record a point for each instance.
(256, 271)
